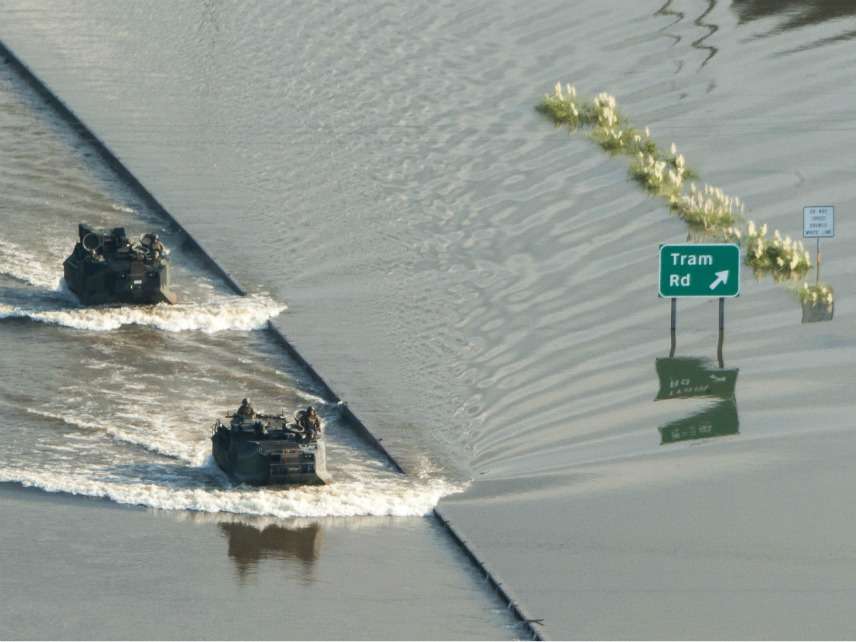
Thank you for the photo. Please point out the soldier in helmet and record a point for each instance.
(313, 418)
(152, 245)
(245, 409)
(157, 247)
(309, 421)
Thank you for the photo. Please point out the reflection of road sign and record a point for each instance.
(718, 421)
(699, 270)
(684, 377)
(819, 221)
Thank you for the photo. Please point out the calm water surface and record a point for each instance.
(481, 287)
(86, 568)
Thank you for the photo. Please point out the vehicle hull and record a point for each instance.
(263, 462)
(117, 282)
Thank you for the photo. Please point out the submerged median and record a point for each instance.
(710, 213)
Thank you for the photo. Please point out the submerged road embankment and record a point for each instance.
(274, 327)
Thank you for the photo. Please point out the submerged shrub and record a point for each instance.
(642, 142)
(612, 139)
(782, 257)
(657, 177)
(677, 161)
(709, 209)
(562, 106)
(816, 295)
(608, 131)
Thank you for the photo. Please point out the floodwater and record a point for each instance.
(481, 287)
(89, 569)
(117, 403)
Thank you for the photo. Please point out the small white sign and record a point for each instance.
(819, 221)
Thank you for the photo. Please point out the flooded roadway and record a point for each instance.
(116, 404)
(481, 287)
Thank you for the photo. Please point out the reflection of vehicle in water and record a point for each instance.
(248, 545)
(106, 267)
(265, 450)
(693, 377)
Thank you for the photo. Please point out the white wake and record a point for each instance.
(390, 495)
(24, 266)
(228, 313)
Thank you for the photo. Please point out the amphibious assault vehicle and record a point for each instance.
(106, 267)
(264, 450)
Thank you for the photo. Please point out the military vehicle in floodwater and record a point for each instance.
(266, 450)
(106, 267)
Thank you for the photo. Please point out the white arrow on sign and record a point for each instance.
(721, 277)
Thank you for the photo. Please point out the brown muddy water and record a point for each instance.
(481, 287)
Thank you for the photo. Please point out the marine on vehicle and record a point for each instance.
(262, 450)
(106, 267)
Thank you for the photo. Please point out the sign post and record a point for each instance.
(818, 223)
(693, 270)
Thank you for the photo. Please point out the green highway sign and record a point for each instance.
(699, 270)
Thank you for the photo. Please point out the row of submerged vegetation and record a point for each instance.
(665, 174)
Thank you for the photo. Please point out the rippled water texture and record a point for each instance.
(120, 399)
(481, 287)
(117, 403)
